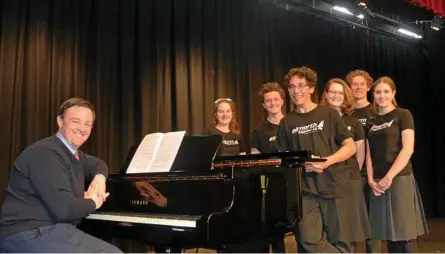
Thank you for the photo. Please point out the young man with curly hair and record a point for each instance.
(325, 224)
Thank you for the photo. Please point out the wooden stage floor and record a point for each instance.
(431, 243)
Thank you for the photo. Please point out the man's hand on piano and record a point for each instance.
(150, 193)
(98, 185)
(98, 200)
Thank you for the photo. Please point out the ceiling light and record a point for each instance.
(437, 23)
(409, 33)
(342, 9)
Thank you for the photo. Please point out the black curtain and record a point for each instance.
(433, 109)
(152, 66)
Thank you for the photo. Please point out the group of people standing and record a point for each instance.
(365, 189)
(363, 144)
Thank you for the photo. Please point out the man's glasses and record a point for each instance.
(297, 86)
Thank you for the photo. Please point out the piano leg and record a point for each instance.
(279, 246)
(295, 186)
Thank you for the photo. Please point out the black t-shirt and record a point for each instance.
(264, 137)
(385, 140)
(365, 116)
(322, 132)
(231, 144)
(356, 128)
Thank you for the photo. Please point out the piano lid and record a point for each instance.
(303, 154)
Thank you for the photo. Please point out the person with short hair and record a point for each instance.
(45, 198)
(324, 226)
(263, 139)
(361, 83)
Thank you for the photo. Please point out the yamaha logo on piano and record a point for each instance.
(140, 202)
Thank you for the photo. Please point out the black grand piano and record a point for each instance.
(228, 203)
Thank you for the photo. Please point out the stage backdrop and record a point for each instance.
(152, 66)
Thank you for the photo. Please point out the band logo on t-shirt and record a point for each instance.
(363, 121)
(272, 139)
(381, 126)
(308, 129)
(230, 142)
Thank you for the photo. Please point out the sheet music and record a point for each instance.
(145, 154)
(167, 152)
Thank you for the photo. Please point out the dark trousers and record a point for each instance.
(59, 238)
(311, 232)
(372, 245)
(401, 247)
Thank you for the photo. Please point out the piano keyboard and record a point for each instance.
(163, 220)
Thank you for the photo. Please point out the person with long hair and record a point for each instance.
(338, 96)
(360, 83)
(224, 123)
(396, 211)
(324, 226)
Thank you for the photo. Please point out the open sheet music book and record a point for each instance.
(156, 152)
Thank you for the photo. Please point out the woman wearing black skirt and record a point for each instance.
(396, 212)
(338, 96)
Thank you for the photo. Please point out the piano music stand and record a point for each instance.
(196, 153)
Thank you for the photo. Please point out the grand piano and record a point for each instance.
(235, 201)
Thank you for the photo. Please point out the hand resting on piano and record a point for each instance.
(97, 191)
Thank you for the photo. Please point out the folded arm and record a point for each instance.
(49, 175)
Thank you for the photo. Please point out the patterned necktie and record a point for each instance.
(76, 155)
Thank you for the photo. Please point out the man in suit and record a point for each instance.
(45, 198)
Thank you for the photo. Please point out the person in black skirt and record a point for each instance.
(396, 211)
(360, 83)
(325, 225)
(338, 96)
(225, 124)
